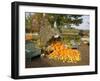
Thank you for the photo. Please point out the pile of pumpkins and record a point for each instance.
(62, 53)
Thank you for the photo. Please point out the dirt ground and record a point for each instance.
(45, 62)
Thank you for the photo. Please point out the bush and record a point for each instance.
(67, 40)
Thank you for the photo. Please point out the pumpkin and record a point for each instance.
(60, 52)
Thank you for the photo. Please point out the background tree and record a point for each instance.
(63, 20)
(34, 22)
(28, 23)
